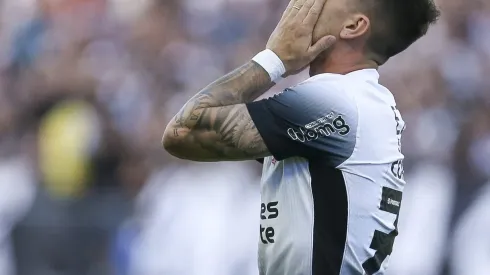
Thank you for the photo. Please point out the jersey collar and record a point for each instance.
(366, 74)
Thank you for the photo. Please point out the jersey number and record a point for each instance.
(397, 166)
(382, 243)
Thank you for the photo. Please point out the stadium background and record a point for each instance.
(87, 87)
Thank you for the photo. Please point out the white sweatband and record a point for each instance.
(273, 65)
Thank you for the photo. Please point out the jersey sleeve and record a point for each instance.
(314, 121)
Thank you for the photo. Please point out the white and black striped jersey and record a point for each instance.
(332, 191)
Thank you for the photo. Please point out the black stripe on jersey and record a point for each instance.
(331, 214)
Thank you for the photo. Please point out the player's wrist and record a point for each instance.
(272, 64)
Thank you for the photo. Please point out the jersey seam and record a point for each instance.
(356, 146)
(347, 226)
(310, 260)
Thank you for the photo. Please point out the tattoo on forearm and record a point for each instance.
(243, 85)
(216, 122)
(235, 132)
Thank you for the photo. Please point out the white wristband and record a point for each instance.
(271, 63)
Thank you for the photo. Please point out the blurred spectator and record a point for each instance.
(181, 220)
(17, 188)
(470, 253)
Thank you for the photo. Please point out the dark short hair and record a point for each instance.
(397, 24)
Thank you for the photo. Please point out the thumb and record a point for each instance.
(323, 44)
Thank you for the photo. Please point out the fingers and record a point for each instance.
(297, 7)
(288, 9)
(305, 9)
(323, 44)
(314, 12)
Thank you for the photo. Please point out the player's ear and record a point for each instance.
(355, 26)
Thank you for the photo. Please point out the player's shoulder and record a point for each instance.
(325, 90)
(321, 82)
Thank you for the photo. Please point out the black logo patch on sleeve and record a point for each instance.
(391, 200)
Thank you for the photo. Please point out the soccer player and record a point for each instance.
(332, 175)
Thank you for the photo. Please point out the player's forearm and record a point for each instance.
(214, 124)
(243, 85)
(231, 136)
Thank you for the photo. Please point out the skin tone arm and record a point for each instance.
(215, 124)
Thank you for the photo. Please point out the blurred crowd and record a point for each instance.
(88, 86)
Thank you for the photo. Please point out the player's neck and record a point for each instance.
(342, 62)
